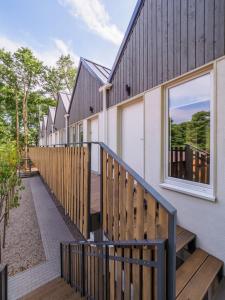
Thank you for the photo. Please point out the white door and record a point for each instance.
(132, 139)
(95, 148)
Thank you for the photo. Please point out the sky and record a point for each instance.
(92, 29)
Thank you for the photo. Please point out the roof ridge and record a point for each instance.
(95, 63)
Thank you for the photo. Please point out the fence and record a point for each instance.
(115, 270)
(190, 163)
(130, 208)
(67, 173)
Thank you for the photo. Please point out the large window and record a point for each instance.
(189, 124)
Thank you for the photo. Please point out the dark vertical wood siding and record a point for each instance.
(168, 38)
(60, 115)
(86, 94)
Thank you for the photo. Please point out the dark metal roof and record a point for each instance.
(128, 31)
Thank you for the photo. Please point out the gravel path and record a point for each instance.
(24, 247)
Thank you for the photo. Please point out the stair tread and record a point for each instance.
(201, 269)
(54, 290)
(183, 237)
(189, 268)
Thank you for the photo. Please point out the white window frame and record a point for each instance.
(200, 190)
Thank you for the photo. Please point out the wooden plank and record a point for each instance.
(137, 279)
(202, 280)
(105, 227)
(140, 213)
(184, 238)
(151, 216)
(219, 28)
(170, 39)
(127, 275)
(191, 35)
(165, 39)
(209, 30)
(184, 36)
(200, 33)
(116, 202)
(188, 269)
(162, 230)
(122, 204)
(159, 40)
(147, 277)
(130, 208)
(110, 197)
(112, 291)
(119, 294)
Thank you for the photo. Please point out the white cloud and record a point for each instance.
(95, 16)
(48, 56)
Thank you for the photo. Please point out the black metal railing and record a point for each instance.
(115, 270)
(3, 282)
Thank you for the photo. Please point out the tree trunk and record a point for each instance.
(25, 125)
(17, 124)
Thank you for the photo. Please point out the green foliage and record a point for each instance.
(9, 181)
(195, 132)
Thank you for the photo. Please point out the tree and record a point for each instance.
(59, 78)
(28, 70)
(11, 85)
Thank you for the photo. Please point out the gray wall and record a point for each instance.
(49, 123)
(169, 38)
(86, 94)
(59, 115)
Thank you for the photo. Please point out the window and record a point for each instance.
(189, 132)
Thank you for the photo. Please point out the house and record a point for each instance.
(40, 131)
(161, 109)
(61, 119)
(50, 126)
(86, 106)
(165, 114)
(43, 134)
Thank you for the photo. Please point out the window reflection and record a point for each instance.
(189, 130)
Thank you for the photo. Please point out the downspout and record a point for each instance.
(67, 128)
(52, 134)
(103, 89)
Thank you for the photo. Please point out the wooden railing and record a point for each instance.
(130, 208)
(190, 163)
(115, 270)
(67, 173)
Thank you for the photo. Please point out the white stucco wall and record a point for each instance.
(112, 115)
(206, 219)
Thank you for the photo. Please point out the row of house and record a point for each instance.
(161, 108)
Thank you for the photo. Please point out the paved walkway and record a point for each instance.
(53, 230)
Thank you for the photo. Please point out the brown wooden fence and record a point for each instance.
(129, 211)
(190, 164)
(66, 172)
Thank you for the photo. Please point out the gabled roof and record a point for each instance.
(98, 70)
(66, 100)
(127, 34)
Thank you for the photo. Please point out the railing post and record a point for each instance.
(61, 259)
(69, 263)
(171, 258)
(161, 292)
(83, 270)
(6, 282)
(106, 277)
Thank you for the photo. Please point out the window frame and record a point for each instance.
(201, 190)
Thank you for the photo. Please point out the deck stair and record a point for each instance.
(56, 289)
(200, 273)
